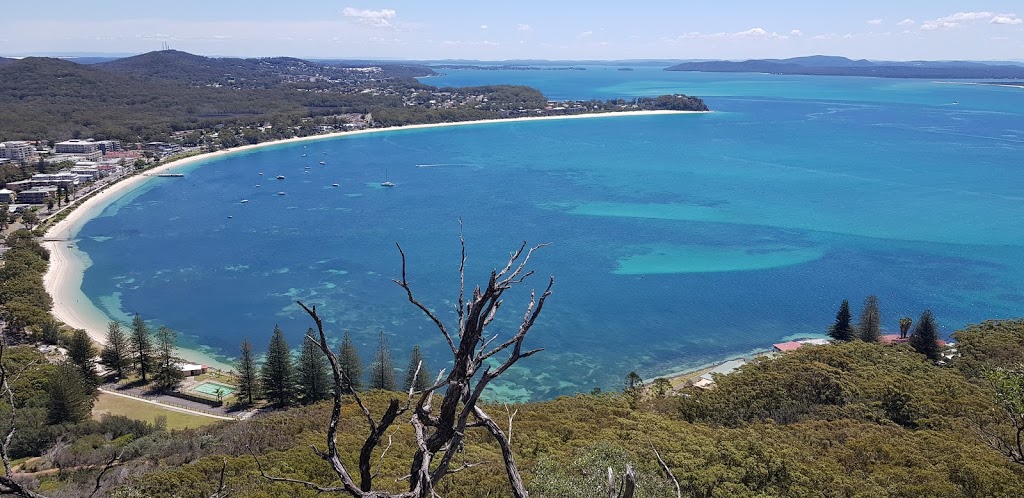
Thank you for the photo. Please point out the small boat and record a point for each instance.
(335, 185)
(280, 177)
(386, 182)
(322, 162)
(245, 201)
(280, 193)
(303, 155)
(257, 185)
(261, 173)
(229, 216)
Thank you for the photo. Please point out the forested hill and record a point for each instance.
(841, 66)
(247, 73)
(58, 99)
(4, 60)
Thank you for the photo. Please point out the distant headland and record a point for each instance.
(822, 65)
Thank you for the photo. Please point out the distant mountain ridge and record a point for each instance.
(822, 65)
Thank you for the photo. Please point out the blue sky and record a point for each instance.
(523, 29)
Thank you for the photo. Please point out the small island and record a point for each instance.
(625, 69)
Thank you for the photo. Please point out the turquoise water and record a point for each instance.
(210, 388)
(675, 240)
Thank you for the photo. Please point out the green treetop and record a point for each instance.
(350, 364)
(869, 329)
(142, 347)
(842, 330)
(925, 337)
(419, 381)
(314, 381)
(168, 373)
(277, 374)
(82, 353)
(248, 377)
(382, 370)
(116, 354)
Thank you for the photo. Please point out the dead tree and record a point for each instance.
(439, 436)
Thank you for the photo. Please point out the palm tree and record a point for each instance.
(905, 324)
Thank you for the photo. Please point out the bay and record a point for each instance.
(676, 240)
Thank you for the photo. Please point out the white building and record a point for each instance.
(17, 151)
(77, 147)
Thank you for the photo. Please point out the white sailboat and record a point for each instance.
(386, 182)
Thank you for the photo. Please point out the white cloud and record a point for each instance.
(455, 43)
(1010, 19)
(796, 32)
(585, 34)
(483, 26)
(376, 18)
(937, 25)
(905, 22)
(957, 20)
(755, 32)
(966, 16)
(875, 22)
(750, 33)
(524, 27)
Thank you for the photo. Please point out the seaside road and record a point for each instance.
(168, 406)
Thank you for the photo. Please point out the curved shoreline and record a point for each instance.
(63, 279)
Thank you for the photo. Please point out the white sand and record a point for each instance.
(63, 279)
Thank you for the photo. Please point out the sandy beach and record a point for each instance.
(63, 279)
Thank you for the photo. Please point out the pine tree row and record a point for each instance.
(924, 338)
(283, 380)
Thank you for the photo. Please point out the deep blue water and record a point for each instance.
(675, 240)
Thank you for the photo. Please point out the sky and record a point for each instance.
(522, 29)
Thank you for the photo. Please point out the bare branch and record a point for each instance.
(380, 463)
(514, 479)
(668, 471)
(404, 283)
(109, 465)
(220, 487)
(511, 415)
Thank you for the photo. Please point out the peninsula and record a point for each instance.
(820, 65)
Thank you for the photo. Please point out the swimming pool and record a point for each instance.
(210, 388)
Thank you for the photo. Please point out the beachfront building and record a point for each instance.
(37, 195)
(8, 196)
(785, 347)
(193, 369)
(162, 148)
(65, 179)
(87, 170)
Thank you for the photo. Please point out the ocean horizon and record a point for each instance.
(676, 240)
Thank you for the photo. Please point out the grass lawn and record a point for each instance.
(139, 410)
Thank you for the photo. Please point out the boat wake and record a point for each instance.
(443, 165)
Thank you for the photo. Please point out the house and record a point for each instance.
(8, 196)
(193, 369)
(785, 347)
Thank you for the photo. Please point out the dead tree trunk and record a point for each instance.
(439, 437)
